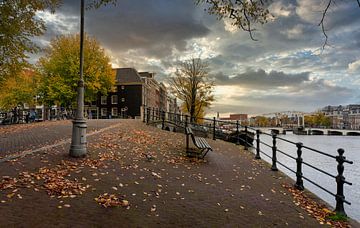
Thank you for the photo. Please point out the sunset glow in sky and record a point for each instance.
(286, 69)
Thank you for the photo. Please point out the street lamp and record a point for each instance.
(78, 140)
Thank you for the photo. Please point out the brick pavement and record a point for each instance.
(228, 189)
(20, 137)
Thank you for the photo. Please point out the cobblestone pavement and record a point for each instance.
(154, 183)
(21, 137)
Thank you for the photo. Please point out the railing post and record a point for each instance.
(144, 114)
(273, 167)
(153, 113)
(299, 182)
(340, 180)
(163, 120)
(246, 134)
(257, 156)
(187, 136)
(237, 133)
(214, 123)
(147, 115)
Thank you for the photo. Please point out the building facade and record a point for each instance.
(127, 97)
(242, 118)
(343, 117)
(132, 91)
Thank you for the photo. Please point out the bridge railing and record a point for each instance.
(245, 135)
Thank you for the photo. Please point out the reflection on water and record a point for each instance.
(328, 144)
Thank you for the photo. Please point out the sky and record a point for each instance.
(285, 70)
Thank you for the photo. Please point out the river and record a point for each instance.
(328, 144)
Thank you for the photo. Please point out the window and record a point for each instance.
(114, 111)
(122, 99)
(103, 100)
(114, 89)
(114, 99)
(122, 87)
(103, 112)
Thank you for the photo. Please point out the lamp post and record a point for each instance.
(78, 140)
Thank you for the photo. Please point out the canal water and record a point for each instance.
(327, 144)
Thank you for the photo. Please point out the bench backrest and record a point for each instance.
(188, 131)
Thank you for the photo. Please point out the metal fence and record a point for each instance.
(245, 135)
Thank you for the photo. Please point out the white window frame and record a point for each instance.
(103, 100)
(113, 100)
(103, 111)
(122, 87)
(114, 111)
(123, 99)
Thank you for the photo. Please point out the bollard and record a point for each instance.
(273, 167)
(299, 182)
(214, 123)
(246, 135)
(340, 180)
(257, 156)
(237, 133)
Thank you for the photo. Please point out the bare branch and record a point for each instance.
(322, 24)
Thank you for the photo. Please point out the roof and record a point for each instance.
(146, 74)
(127, 75)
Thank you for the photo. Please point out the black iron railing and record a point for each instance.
(245, 135)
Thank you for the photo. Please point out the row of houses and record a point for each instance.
(343, 117)
(132, 91)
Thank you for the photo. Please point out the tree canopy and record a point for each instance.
(18, 24)
(59, 70)
(191, 85)
(18, 90)
(318, 120)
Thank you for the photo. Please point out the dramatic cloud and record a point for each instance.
(354, 66)
(256, 92)
(259, 79)
(286, 69)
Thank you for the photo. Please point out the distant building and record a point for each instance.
(126, 99)
(242, 118)
(279, 119)
(343, 117)
(132, 91)
(150, 88)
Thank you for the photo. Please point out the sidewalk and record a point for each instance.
(155, 185)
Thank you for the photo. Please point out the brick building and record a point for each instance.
(132, 91)
(343, 117)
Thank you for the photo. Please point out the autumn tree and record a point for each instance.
(246, 14)
(59, 70)
(318, 120)
(191, 85)
(18, 90)
(18, 25)
(261, 121)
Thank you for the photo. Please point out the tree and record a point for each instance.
(18, 90)
(192, 86)
(18, 24)
(318, 120)
(245, 14)
(261, 121)
(59, 69)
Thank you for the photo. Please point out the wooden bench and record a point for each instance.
(202, 145)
